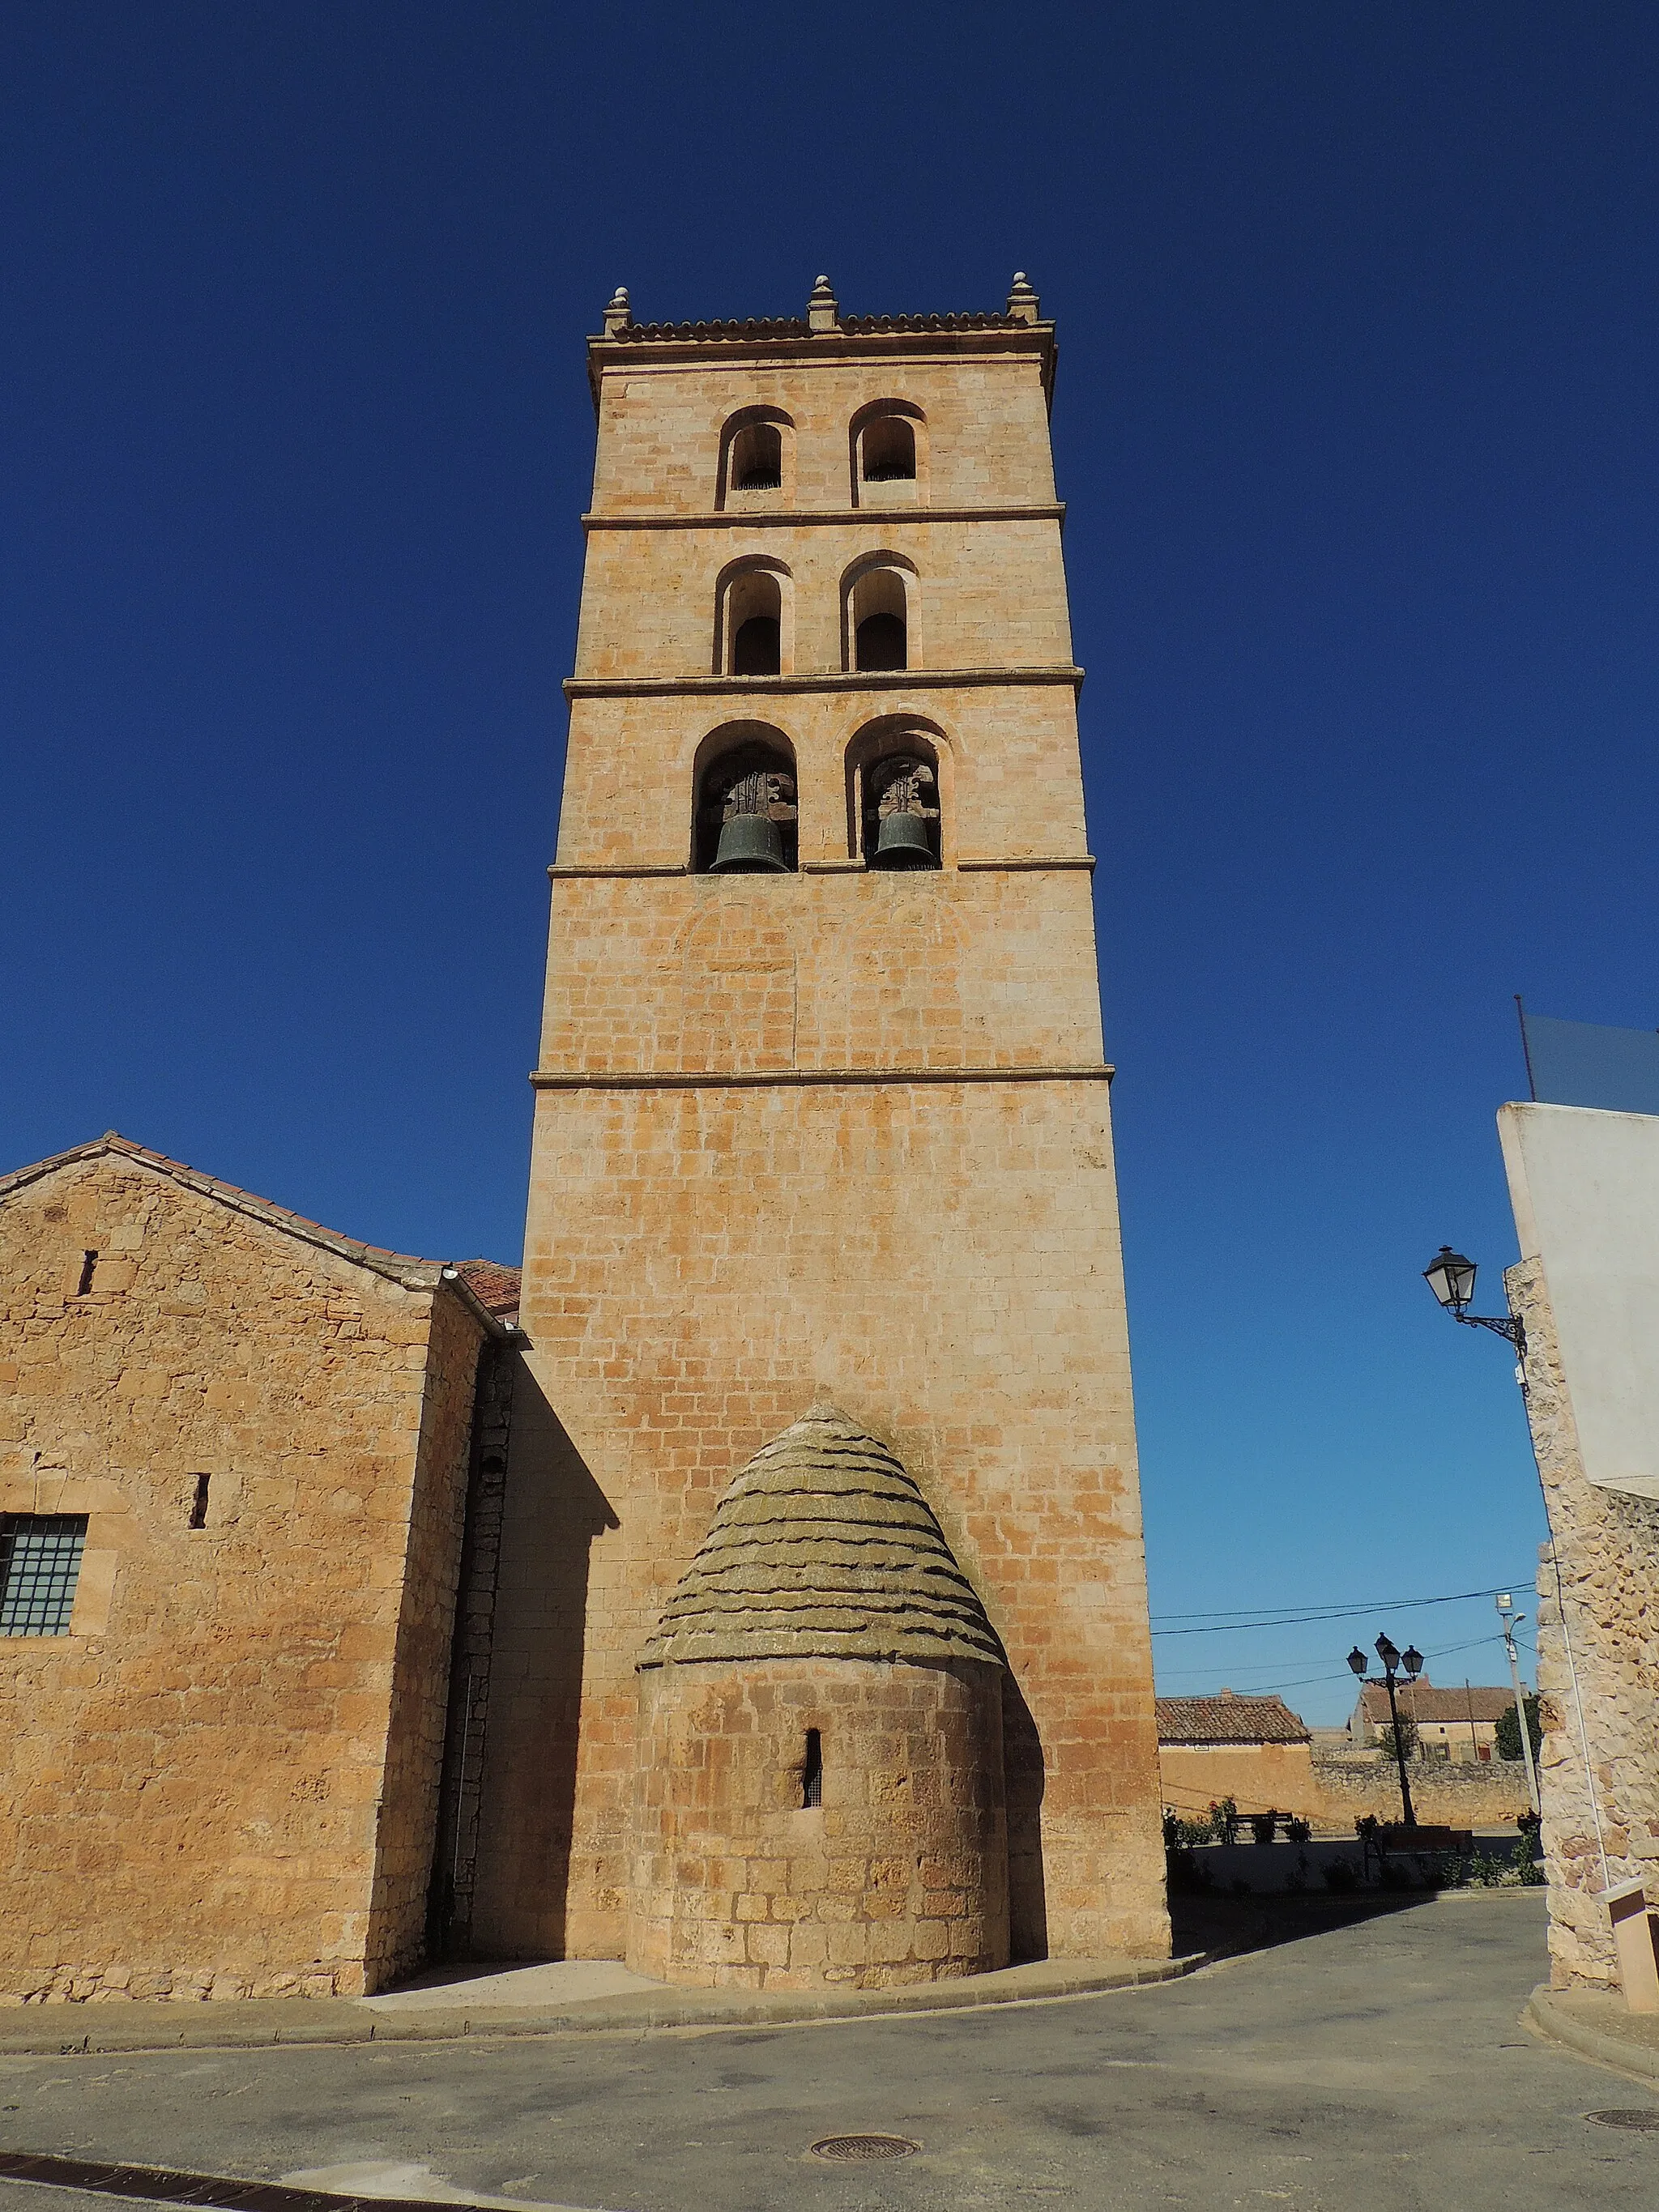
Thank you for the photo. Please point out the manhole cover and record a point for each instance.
(853, 2148)
(1640, 2122)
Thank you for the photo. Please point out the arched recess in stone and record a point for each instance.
(756, 459)
(754, 617)
(888, 453)
(880, 613)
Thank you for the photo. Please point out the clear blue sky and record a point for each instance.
(1356, 418)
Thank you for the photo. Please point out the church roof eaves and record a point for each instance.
(796, 338)
(751, 327)
(483, 1293)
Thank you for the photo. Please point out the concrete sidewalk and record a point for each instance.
(1595, 2024)
(572, 1997)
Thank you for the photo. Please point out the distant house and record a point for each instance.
(1459, 1724)
(1254, 1750)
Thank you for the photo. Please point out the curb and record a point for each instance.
(263, 2024)
(1541, 2013)
(1497, 1889)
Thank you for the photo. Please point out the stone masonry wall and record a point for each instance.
(743, 1196)
(1606, 1546)
(420, 1685)
(931, 1255)
(472, 1661)
(1332, 1791)
(899, 1876)
(1258, 1778)
(1490, 1794)
(189, 1780)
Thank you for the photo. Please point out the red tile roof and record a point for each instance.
(495, 1286)
(1228, 1719)
(1421, 1701)
(399, 1266)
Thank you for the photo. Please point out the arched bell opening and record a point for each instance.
(878, 619)
(752, 628)
(757, 462)
(901, 813)
(888, 453)
(757, 458)
(747, 815)
(899, 794)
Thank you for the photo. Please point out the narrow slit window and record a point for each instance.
(89, 1269)
(199, 1503)
(812, 1772)
(39, 1565)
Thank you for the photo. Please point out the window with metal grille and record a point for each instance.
(40, 1564)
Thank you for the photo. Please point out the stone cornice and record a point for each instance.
(797, 1078)
(776, 518)
(773, 687)
(576, 871)
(724, 345)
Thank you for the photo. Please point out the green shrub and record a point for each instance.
(1188, 1874)
(1508, 1730)
(1521, 1857)
(1341, 1876)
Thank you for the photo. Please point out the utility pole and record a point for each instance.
(1511, 1620)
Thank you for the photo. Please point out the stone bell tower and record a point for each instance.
(821, 1106)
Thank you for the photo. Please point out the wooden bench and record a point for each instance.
(1395, 1836)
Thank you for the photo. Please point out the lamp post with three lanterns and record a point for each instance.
(1393, 1659)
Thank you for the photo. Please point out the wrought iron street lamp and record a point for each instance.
(1392, 1660)
(1451, 1277)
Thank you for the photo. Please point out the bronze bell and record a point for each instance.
(901, 841)
(751, 844)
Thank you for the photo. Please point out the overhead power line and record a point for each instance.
(1303, 1681)
(1292, 1617)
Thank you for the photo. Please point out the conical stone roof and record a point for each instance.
(823, 1548)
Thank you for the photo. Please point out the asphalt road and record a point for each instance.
(1379, 2063)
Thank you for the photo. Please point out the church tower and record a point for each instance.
(822, 1113)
